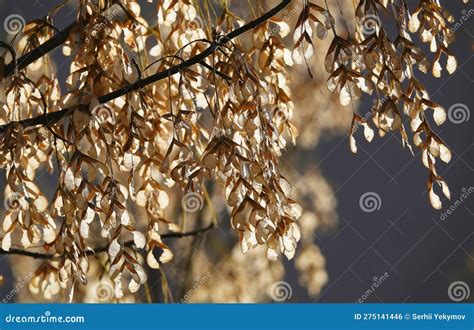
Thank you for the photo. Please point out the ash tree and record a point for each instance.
(164, 125)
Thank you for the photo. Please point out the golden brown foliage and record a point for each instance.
(152, 112)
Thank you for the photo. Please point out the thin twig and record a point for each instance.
(101, 249)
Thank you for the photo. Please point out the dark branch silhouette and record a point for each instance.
(101, 249)
(57, 40)
(51, 117)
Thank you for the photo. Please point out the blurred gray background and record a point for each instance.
(405, 238)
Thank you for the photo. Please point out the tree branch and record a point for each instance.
(52, 43)
(105, 248)
(51, 117)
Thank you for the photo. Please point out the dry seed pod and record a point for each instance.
(153, 113)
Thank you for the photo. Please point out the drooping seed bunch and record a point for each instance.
(152, 111)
